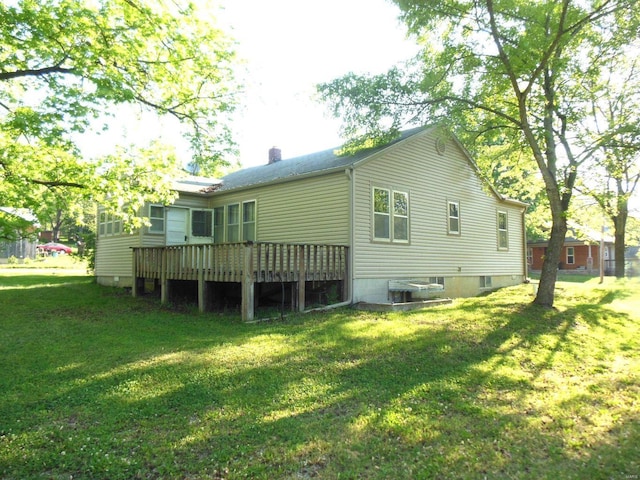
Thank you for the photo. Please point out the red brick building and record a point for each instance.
(577, 254)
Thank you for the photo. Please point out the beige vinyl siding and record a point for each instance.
(113, 255)
(191, 201)
(113, 252)
(433, 180)
(152, 240)
(313, 210)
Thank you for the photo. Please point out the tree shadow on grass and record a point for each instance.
(341, 394)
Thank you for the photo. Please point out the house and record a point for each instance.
(632, 261)
(580, 252)
(17, 233)
(337, 228)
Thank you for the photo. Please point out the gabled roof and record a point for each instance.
(315, 163)
(318, 163)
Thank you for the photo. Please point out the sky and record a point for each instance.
(289, 47)
(286, 48)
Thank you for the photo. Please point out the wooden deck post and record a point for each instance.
(164, 280)
(302, 278)
(202, 286)
(247, 283)
(345, 280)
(134, 274)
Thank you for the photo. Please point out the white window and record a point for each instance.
(381, 214)
(390, 215)
(102, 223)
(503, 231)
(218, 225)
(109, 224)
(571, 255)
(233, 223)
(453, 209)
(437, 280)
(202, 223)
(156, 218)
(400, 217)
(530, 256)
(117, 225)
(249, 221)
(485, 282)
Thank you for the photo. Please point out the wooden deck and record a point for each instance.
(246, 263)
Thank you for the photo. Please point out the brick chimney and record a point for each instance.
(275, 155)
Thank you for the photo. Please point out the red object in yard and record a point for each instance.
(54, 247)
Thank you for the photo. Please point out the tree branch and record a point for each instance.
(54, 184)
(36, 72)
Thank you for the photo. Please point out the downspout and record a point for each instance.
(350, 173)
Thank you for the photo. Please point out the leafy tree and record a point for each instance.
(504, 69)
(614, 137)
(65, 64)
(633, 231)
(506, 165)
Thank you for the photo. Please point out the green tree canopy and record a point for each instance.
(502, 72)
(64, 64)
(613, 133)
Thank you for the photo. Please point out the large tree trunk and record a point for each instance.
(55, 227)
(549, 274)
(620, 226)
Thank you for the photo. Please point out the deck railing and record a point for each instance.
(246, 263)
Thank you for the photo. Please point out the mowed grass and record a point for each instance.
(95, 384)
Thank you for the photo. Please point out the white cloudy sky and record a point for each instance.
(287, 47)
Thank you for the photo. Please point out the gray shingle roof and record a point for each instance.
(193, 184)
(315, 163)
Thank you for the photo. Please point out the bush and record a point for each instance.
(13, 260)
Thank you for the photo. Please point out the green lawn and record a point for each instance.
(96, 385)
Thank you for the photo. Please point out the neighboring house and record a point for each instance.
(414, 210)
(580, 252)
(632, 261)
(20, 241)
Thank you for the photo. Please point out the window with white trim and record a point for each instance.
(201, 223)
(156, 218)
(437, 280)
(400, 217)
(249, 221)
(453, 212)
(571, 255)
(117, 225)
(503, 231)
(390, 215)
(381, 214)
(109, 224)
(485, 282)
(233, 223)
(218, 225)
(102, 223)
